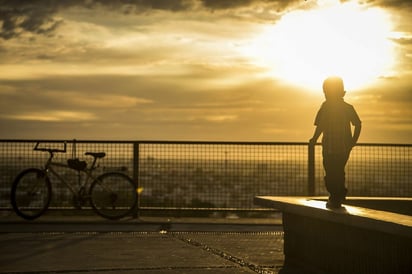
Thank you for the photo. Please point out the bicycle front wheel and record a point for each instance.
(31, 193)
(113, 195)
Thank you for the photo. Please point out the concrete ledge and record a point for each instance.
(361, 217)
(401, 205)
(349, 240)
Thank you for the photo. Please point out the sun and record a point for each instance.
(306, 46)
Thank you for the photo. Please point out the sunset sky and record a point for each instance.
(219, 70)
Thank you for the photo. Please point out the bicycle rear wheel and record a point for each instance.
(31, 193)
(113, 195)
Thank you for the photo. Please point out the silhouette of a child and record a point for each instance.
(334, 120)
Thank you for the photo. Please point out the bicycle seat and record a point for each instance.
(96, 154)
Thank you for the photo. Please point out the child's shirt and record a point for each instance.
(334, 118)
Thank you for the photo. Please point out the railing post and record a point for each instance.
(311, 169)
(136, 176)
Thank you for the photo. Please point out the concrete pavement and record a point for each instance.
(151, 247)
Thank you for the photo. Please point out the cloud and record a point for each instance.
(40, 17)
(230, 4)
(44, 17)
(150, 106)
(399, 93)
(160, 70)
(226, 4)
(406, 41)
(26, 16)
(398, 4)
(52, 116)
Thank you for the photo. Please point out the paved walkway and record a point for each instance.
(151, 247)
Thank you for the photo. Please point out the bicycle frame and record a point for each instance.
(48, 169)
(89, 177)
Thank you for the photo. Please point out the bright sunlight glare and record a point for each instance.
(306, 46)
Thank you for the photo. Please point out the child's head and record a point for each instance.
(333, 88)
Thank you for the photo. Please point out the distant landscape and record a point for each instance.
(197, 183)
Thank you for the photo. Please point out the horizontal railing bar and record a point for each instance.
(68, 141)
(190, 142)
(221, 143)
(156, 142)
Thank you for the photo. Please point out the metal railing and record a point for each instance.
(382, 170)
(219, 175)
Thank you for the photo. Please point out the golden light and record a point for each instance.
(306, 46)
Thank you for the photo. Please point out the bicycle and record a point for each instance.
(112, 195)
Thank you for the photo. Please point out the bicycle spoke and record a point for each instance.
(113, 195)
(30, 194)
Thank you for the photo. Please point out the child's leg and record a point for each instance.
(334, 166)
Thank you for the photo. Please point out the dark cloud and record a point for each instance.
(39, 17)
(30, 16)
(173, 5)
(225, 4)
(133, 6)
(229, 4)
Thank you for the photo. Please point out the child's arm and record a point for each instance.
(356, 134)
(316, 134)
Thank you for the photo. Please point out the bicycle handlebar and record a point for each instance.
(50, 150)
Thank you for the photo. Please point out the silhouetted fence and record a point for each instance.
(217, 175)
